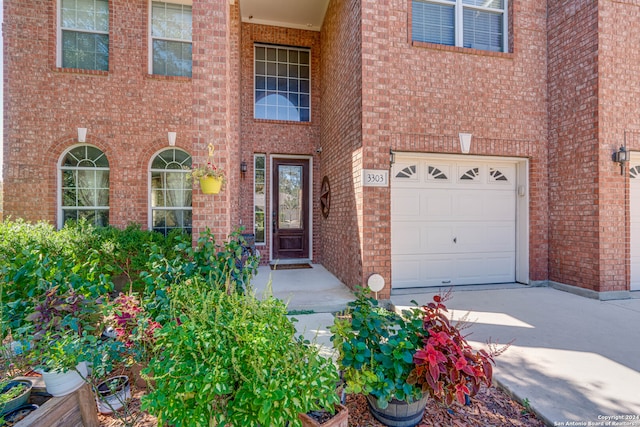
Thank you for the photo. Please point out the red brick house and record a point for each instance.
(433, 142)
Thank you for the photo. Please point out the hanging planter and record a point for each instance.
(210, 176)
(210, 184)
(112, 394)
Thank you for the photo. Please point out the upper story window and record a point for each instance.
(83, 37)
(282, 83)
(170, 191)
(171, 28)
(476, 24)
(84, 189)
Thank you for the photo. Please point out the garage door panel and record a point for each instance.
(407, 272)
(405, 205)
(406, 239)
(634, 211)
(437, 204)
(438, 239)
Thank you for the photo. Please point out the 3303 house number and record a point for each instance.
(375, 178)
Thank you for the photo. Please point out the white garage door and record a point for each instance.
(452, 222)
(634, 212)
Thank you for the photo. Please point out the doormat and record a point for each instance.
(290, 266)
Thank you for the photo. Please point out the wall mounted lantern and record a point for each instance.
(171, 137)
(621, 156)
(82, 134)
(243, 168)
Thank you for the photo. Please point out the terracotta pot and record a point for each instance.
(210, 185)
(340, 419)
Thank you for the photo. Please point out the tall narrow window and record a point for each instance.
(84, 34)
(476, 24)
(282, 83)
(259, 199)
(171, 191)
(85, 186)
(171, 29)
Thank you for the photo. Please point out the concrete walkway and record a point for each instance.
(575, 359)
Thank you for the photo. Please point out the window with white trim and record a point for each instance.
(259, 197)
(170, 41)
(83, 34)
(476, 24)
(282, 83)
(84, 192)
(171, 189)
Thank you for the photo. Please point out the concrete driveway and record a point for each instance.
(576, 360)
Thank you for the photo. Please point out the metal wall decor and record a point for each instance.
(325, 197)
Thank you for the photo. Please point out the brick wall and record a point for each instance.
(127, 112)
(575, 240)
(619, 120)
(341, 140)
(277, 137)
(418, 96)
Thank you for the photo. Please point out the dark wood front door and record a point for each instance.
(291, 208)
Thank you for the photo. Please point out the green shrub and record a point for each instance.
(230, 359)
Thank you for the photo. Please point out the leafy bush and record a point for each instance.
(375, 349)
(34, 258)
(446, 366)
(231, 359)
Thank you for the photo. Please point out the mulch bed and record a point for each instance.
(490, 407)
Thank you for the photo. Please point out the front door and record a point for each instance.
(291, 208)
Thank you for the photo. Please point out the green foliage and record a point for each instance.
(230, 359)
(125, 253)
(221, 266)
(375, 349)
(35, 258)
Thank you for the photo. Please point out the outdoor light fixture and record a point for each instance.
(171, 136)
(243, 167)
(621, 156)
(82, 134)
(465, 142)
(392, 157)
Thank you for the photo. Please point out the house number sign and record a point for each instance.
(375, 178)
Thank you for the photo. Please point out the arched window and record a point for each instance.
(170, 197)
(85, 186)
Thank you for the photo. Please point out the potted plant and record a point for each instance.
(65, 328)
(112, 394)
(210, 176)
(14, 394)
(446, 365)
(228, 358)
(375, 352)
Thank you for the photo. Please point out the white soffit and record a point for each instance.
(301, 14)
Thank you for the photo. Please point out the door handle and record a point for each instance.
(273, 224)
(455, 240)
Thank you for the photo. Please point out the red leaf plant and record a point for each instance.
(446, 366)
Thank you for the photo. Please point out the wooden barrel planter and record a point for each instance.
(399, 413)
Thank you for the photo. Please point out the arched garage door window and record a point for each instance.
(85, 186)
(170, 191)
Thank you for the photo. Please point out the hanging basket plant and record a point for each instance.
(210, 176)
(211, 184)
